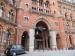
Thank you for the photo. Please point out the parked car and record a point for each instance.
(14, 50)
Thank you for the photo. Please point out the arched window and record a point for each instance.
(70, 39)
(11, 15)
(34, 1)
(54, 12)
(58, 41)
(66, 15)
(13, 1)
(71, 16)
(40, 2)
(47, 4)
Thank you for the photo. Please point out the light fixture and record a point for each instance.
(37, 33)
(22, 36)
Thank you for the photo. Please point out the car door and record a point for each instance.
(14, 49)
(20, 49)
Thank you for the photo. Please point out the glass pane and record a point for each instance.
(14, 47)
(19, 47)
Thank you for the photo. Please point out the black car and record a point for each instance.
(14, 50)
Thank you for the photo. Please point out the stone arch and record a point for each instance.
(41, 19)
(41, 35)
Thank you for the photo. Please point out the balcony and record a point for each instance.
(41, 10)
(67, 2)
(9, 20)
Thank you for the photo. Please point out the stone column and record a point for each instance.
(53, 43)
(31, 39)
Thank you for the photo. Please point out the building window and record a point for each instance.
(54, 12)
(40, 2)
(70, 39)
(11, 15)
(26, 5)
(71, 16)
(13, 2)
(26, 19)
(1, 9)
(67, 23)
(53, 3)
(34, 1)
(47, 4)
(66, 16)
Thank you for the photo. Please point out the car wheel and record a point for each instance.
(14, 54)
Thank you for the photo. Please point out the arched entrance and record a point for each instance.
(41, 36)
(58, 40)
(25, 40)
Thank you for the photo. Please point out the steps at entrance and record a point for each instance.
(52, 53)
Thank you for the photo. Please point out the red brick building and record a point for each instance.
(42, 24)
(7, 23)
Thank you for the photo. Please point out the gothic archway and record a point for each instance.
(25, 40)
(41, 36)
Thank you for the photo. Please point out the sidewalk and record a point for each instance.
(2, 54)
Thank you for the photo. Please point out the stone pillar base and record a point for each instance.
(31, 40)
(53, 43)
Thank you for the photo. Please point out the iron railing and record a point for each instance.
(41, 10)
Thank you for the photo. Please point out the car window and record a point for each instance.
(19, 47)
(14, 47)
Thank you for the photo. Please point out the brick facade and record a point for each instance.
(7, 24)
(35, 13)
(56, 15)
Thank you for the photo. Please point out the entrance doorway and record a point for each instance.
(25, 40)
(58, 41)
(42, 39)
